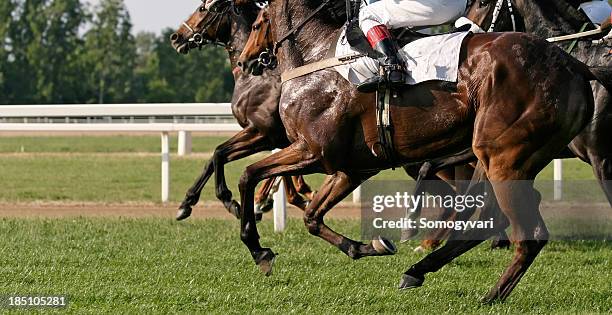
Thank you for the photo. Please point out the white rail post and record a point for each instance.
(184, 143)
(558, 179)
(357, 195)
(165, 167)
(280, 206)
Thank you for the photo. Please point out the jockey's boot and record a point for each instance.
(392, 71)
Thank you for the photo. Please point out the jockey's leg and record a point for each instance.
(410, 13)
(378, 17)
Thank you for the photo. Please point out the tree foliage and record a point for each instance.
(64, 51)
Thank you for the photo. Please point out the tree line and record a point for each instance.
(67, 51)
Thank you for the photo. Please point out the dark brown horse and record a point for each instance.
(517, 103)
(548, 19)
(254, 104)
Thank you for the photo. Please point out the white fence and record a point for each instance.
(29, 112)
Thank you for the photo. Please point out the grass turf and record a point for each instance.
(113, 178)
(160, 266)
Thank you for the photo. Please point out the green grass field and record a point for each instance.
(62, 175)
(128, 265)
(160, 266)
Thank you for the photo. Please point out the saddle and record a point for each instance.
(356, 38)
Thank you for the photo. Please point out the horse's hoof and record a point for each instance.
(410, 282)
(234, 208)
(419, 249)
(384, 246)
(265, 261)
(490, 299)
(183, 213)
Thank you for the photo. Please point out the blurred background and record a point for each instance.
(103, 51)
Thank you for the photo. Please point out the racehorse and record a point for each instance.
(547, 19)
(254, 105)
(515, 121)
(231, 30)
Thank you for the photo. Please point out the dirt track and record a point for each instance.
(207, 210)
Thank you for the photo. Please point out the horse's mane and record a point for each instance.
(333, 14)
(567, 9)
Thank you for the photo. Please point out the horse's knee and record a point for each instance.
(312, 225)
(246, 180)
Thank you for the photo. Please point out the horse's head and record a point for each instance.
(258, 52)
(494, 15)
(202, 27)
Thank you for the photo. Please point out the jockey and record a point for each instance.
(378, 16)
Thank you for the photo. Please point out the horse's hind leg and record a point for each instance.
(263, 198)
(302, 187)
(602, 167)
(335, 188)
(454, 247)
(293, 197)
(519, 201)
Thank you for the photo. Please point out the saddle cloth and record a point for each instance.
(426, 59)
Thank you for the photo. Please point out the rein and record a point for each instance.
(498, 7)
(298, 27)
(581, 34)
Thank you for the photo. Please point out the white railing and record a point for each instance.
(156, 110)
(123, 110)
(28, 112)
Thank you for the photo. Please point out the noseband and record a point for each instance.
(197, 38)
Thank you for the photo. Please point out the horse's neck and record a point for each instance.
(546, 18)
(310, 44)
(239, 35)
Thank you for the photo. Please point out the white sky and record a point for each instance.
(155, 15)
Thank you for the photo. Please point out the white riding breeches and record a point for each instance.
(410, 13)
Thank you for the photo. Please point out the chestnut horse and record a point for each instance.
(231, 31)
(515, 120)
(548, 19)
(254, 105)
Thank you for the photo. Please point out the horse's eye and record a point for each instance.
(484, 3)
(256, 27)
(202, 9)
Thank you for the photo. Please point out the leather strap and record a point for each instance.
(317, 66)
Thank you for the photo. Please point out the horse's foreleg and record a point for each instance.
(335, 188)
(193, 194)
(246, 143)
(289, 161)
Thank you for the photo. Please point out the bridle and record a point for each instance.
(197, 38)
(497, 10)
(268, 58)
